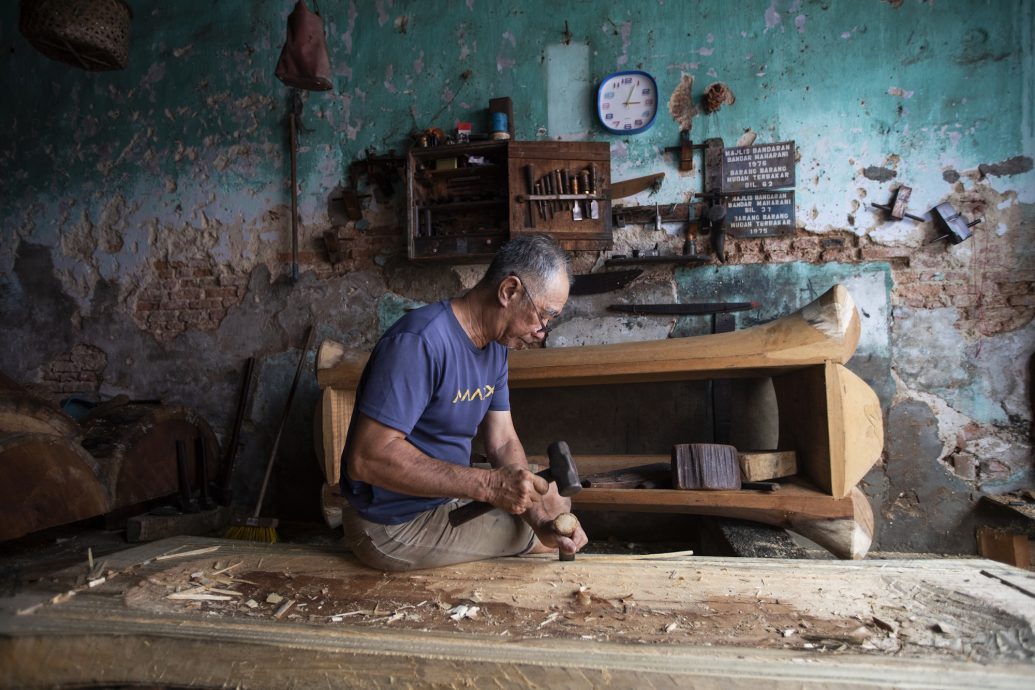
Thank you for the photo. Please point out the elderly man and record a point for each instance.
(436, 378)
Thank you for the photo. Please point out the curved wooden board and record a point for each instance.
(832, 419)
(848, 538)
(856, 428)
(330, 427)
(45, 481)
(22, 412)
(825, 330)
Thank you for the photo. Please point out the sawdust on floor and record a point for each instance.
(407, 601)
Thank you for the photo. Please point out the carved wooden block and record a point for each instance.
(705, 466)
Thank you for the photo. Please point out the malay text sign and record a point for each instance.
(768, 166)
(760, 214)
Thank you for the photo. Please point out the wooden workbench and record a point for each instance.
(595, 622)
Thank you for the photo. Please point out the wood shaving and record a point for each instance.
(184, 554)
(461, 611)
(228, 592)
(198, 596)
(283, 608)
(63, 597)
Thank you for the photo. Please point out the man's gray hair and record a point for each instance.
(531, 257)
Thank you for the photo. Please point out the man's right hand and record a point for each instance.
(514, 489)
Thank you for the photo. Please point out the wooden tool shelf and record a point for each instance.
(465, 200)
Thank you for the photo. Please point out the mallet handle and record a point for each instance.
(468, 512)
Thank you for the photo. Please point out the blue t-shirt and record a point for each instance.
(426, 379)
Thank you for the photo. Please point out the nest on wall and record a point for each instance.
(716, 96)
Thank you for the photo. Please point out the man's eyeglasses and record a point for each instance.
(543, 327)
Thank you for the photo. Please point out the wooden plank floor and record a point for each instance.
(600, 621)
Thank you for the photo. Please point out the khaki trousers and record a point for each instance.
(429, 541)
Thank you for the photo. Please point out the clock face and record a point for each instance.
(627, 102)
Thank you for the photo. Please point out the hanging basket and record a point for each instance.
(91, 34)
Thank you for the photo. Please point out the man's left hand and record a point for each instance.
(549, 538)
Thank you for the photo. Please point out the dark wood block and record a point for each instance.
(152, 527)
(705, 466)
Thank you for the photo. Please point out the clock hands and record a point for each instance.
(631, 89)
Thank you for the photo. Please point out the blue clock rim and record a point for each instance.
(622, 132)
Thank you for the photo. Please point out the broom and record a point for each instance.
(253, 527)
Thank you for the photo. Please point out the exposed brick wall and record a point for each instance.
(993, 289)
(80, 370)
(184, 295)
(362, 249)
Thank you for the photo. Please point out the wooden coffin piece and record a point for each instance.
(135, 446)
(23, 412)
(46, 480)
(330, 427)
(843, 526)
(836, 426)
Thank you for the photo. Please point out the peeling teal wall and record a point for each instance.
(182, 157)
(193, 122)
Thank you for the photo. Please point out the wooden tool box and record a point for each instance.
(829, 416)
(465, 200)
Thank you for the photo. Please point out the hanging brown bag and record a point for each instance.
(304, 62)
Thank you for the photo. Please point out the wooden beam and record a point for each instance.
(824, 330)
(595, 622)
(152, 527)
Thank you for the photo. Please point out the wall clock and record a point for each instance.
(627, 102)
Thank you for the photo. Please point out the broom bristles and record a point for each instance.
(253, 529)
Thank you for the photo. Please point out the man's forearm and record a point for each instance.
(510, 453)
(402, 468)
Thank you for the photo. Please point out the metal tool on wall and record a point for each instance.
(562, 192)
(714, 221)
(604, 281)
(530, 182)
(950, 223)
